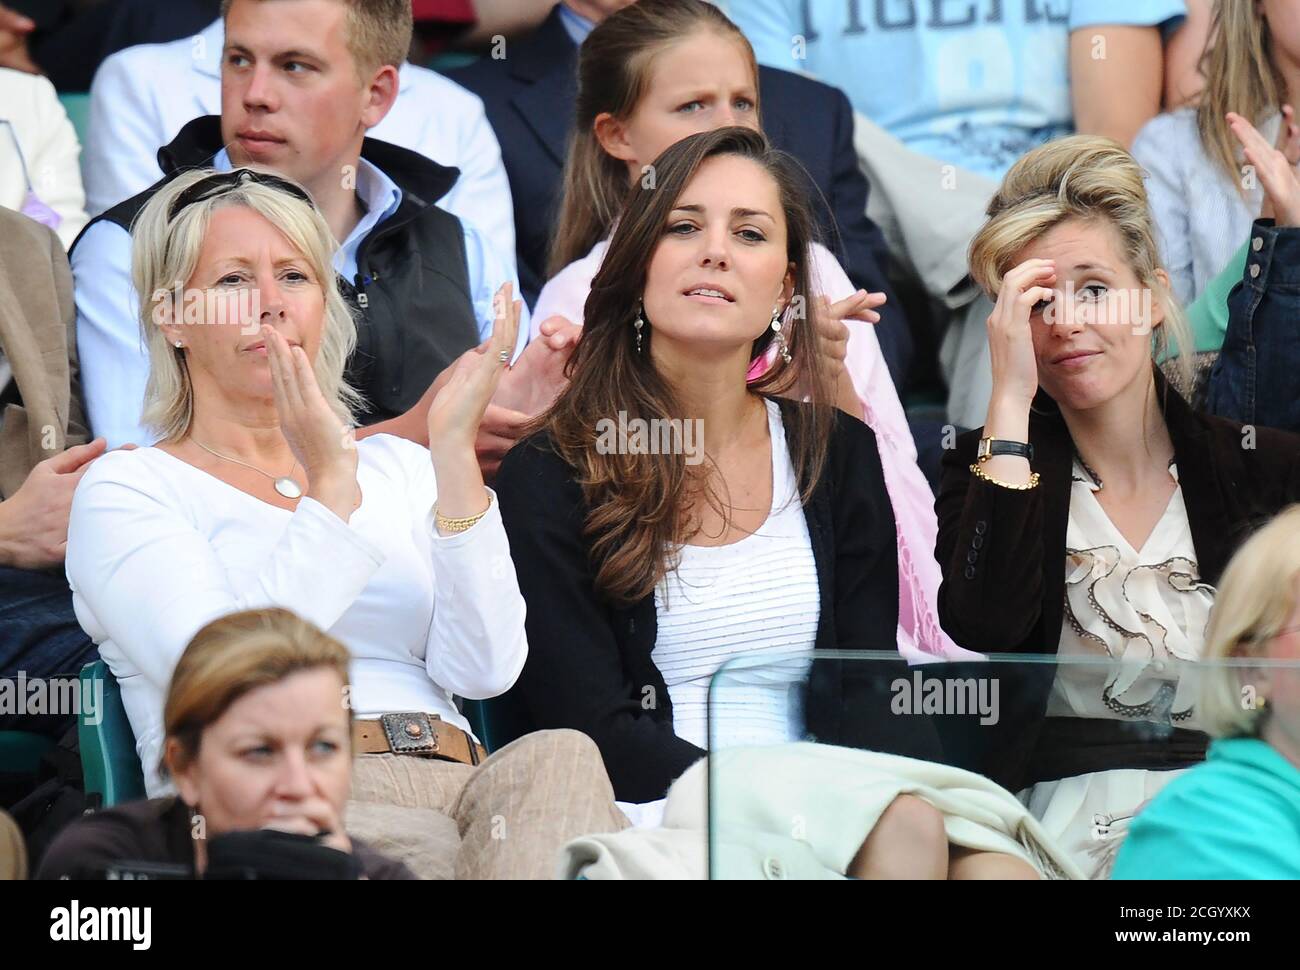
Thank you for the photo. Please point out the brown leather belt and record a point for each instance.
(413, 732)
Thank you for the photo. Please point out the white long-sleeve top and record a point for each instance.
(158, 548)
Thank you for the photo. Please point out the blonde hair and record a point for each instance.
(379, 32)
(233, 656)
(164, 254)
(1240, 76)
(1256, 596)
(1080, 177)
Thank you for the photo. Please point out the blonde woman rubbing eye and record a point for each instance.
(1093, 514)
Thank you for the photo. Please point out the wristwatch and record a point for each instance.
(992, 447)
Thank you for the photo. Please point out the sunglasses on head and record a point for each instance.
(222, 182)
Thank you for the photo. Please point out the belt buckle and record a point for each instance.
(410, 732)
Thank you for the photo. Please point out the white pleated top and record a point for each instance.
(753, 596)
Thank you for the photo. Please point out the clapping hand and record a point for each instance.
(535, 380)
(458, 407)
(1274, 164)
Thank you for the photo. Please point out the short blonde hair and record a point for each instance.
(1080, 177)
(1256, 596)
(164, 254)
(233, 656)
(379, 32)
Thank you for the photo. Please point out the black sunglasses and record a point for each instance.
(220, 182)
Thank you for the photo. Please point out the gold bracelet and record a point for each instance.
(978, 472)
(452, 526)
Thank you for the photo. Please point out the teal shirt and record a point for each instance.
(1237, 816)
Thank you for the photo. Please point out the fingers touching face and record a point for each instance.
(1093, 337)
(248, 275)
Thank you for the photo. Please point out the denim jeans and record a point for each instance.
(39, 636)
(1256, 379)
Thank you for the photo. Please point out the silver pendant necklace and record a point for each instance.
(286, 485)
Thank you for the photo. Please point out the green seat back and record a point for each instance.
(109, 763)
(78, 108)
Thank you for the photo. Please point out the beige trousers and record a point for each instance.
(505, 819)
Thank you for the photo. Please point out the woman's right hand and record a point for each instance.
(325, 448)
(1011, 348)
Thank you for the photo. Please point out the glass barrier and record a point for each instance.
(1036, 763)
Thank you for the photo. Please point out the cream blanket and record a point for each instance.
(802, 811)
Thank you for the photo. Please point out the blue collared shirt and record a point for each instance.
(379, 196)
(114, 361)
(576, 24)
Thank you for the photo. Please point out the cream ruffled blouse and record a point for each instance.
(1146, 608)
(1142, 613)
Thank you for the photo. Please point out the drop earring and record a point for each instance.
(780, 336)
(637, 325)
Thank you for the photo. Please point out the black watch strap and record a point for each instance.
(993, 447)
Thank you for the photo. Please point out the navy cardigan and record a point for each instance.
(589, 660)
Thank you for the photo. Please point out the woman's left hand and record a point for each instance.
(457, 409)
(1275, 166)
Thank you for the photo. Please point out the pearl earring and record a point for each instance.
(780, 336)
(179, 344)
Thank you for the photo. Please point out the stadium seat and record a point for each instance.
(21, 751)
(78, 108)
(111, 768)
(495, 722)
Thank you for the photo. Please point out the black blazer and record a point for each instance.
(589, 661)
(1002, 553)
(530, 95)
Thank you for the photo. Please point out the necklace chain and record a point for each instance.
(273, 478)
(726, 518)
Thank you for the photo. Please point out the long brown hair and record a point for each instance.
(1240, 75)
(613, 75)
(639, 504)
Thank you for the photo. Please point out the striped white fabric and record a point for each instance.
(758, 595)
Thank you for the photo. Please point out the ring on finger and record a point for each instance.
(504, 356)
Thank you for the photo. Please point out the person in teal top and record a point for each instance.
(1237, 816)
